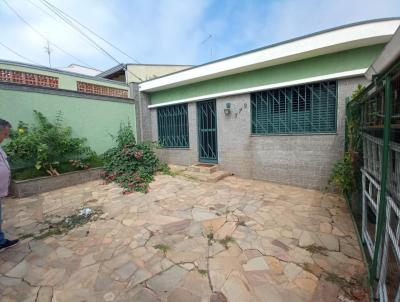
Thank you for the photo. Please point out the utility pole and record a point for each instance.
(48, 51)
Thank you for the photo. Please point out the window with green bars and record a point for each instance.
(173, 129)
(309, 108)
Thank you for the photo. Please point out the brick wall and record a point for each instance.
(101, 90)
(27, 78)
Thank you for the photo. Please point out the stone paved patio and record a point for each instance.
(183, 241)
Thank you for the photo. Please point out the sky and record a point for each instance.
(188, 32)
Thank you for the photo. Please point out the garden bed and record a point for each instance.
(23, 188)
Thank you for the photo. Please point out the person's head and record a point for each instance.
(4, 129)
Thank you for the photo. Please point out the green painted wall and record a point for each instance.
(93, 119)
(65, 81)
(332, 63)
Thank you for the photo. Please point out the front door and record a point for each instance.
(207, 125)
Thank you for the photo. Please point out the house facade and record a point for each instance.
(275, 113)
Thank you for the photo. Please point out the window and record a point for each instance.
(173, 130)
(309, 108)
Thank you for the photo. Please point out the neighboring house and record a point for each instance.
(92, 106)
(274, 113)
(81, 70)
(135, 73)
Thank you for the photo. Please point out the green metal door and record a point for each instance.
(207, 125)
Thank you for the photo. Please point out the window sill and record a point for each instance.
(294, 134)
(173, 148)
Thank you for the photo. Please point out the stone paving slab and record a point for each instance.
(236, 240)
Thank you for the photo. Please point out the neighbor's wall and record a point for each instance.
(302, 160)
(179, 156)
(147, 72)
(94, 117)
(66, 80)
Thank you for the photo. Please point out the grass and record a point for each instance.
(341, 282)
(202, 272)
(210, 237)
(29, 235)
(162, 247)
(226, 241)
(316, 249)
(67, 224)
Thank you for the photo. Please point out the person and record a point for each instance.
(5, 175)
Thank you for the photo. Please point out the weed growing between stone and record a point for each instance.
(224, 242)
(316, 249)
(162, 247)
(81, 217)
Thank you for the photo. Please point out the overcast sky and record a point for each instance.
(171, 31)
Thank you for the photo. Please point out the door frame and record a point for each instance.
(202, 160)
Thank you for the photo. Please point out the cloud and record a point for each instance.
(173, 31)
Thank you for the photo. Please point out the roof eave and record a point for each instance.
(325, 42)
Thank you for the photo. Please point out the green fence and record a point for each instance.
(373, 144)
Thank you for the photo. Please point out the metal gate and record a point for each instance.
(375, 135)
(207, 125)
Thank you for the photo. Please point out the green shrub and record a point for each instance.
(46, 148)
(342, 175)
(129, 164)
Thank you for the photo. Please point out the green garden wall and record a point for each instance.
(92, 118)
(322, 65)
(66, 80)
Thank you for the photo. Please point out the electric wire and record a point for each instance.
(65, 18)
(42, 35)
(19, 55)
(89, 30)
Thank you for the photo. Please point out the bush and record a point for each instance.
(129, 164)
(342, 176)
(46, 148)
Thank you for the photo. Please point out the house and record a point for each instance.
(276, 113)
(135, 73)
(76, 68)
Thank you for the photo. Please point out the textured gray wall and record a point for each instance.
(143, 116)
(179, 156)
(302, 160)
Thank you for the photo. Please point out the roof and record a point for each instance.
(388, 56)
(81, 69)
(324, 42)
(44, 68)
(122, 67)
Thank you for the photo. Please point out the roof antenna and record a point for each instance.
(48, 51)
(204, 41)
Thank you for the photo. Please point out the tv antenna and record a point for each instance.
(48, 51)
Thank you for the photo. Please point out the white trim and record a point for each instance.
(339, 39)
(338, 75)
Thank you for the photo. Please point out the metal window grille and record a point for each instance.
(309, 108)
(173, 129)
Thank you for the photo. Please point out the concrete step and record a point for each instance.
(206, 177)
(203, 168)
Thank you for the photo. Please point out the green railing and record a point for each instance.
(309, 108)
(373, 142)
(173, 129)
